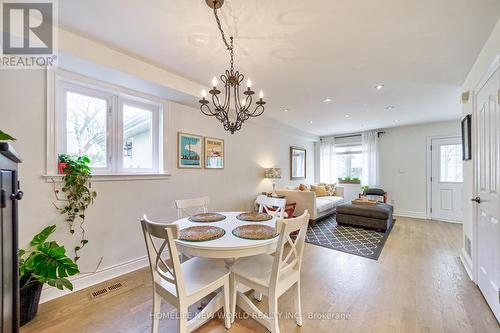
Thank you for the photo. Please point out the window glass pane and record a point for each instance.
(137, 138)
(451, 163)
(86, 127)
(349, 161)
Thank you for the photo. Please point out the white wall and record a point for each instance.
(113, 221)
(486, 57)
(403, 164)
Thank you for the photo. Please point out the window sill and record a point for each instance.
(113, 177)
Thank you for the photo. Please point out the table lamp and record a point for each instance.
(273, 174)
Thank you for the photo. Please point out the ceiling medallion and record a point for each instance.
(241, 105)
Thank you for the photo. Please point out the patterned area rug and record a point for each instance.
(359, 241)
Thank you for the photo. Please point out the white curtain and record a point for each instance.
(370, 159)
(327, 171)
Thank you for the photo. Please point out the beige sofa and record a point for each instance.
(318, 207)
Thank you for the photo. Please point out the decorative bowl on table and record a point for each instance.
(207, 217)
(254, 217)
(201, 233)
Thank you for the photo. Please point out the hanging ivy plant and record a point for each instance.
(78, 194)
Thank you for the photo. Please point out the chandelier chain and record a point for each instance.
(229, 46)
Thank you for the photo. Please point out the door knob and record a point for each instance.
(477, 199)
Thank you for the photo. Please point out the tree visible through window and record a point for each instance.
(86, 127)
(451, 164)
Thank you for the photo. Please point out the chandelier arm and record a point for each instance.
(208, 112)
(254, 113)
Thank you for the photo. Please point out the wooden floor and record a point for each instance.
(417, 285)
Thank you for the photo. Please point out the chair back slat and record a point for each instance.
(272, 206)
(189, 207)
(169, 270)
(289, 250)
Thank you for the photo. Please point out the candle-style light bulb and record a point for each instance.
(249, 83)
(261, 94)
(244, 102)
(203, 93)
(214, 82)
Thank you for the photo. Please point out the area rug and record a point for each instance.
(359, 241)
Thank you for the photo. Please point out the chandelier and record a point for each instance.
(231, 99)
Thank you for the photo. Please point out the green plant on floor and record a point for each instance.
(78, 193)
(45, 262)
(6, 137)
(364, 188)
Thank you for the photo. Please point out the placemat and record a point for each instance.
(201, 233)
(255, 231)
(254, 217)
(207, 217)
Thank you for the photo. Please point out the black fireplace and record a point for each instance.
(9, 195)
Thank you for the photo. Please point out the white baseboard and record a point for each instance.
(411, 214)
(86, 280)
(467, 262)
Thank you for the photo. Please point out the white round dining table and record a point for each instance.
(229, 246)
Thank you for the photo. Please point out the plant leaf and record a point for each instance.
(43, 235)
(5, 137)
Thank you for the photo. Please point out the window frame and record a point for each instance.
(348, 153)
(59, 82)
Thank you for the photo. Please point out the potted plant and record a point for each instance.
(62, 163)
(43, 262)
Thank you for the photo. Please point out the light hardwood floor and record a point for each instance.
(417, 285)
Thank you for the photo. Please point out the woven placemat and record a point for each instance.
(201, 233)
(255, 231)
(254, 217)
(207, 217)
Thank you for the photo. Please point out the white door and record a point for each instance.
(447, 179)
(488, 187)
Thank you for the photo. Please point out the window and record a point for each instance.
(119, 132)
(451, 164)
(349, 161)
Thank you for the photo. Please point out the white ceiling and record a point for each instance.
(301, 52)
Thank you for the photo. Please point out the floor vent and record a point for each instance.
(104, 291)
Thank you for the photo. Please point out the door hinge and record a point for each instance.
(430, 210)
(431, 147)
(431, 179)
(109, 110)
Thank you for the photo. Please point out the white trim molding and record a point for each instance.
(87, 280)
(411, 214)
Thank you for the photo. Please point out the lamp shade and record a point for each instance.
(272, 173)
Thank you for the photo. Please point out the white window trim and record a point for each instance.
(57, 79)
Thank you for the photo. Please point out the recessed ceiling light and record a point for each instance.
(390, 107)
(285, 110)
(347, 115)
(379, 86)
(396, 121)
(327, 100)
(311, 122)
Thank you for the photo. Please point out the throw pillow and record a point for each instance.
(303, 187)
(319, 190)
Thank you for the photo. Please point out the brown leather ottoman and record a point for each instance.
(378, 216)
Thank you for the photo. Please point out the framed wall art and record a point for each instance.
(189, 151)
(214, 153)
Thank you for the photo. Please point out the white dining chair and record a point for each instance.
(265, 204)
(182, 284)
(189, 207)
(273, 275)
